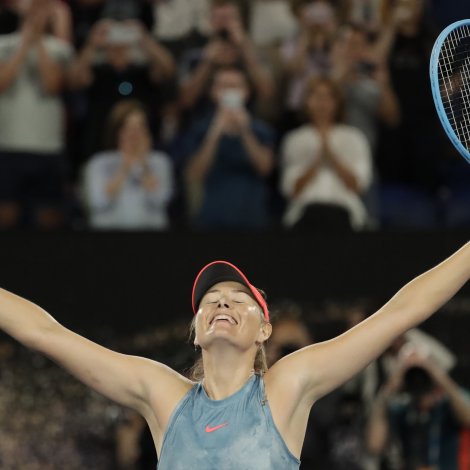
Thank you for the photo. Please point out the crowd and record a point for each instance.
(403, 412)
(223, 114)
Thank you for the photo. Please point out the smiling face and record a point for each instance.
(229, 313)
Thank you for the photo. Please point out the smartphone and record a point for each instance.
(123, 34)
(232, 99)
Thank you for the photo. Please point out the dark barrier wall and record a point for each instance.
(129, 281)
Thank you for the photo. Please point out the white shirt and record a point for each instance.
(30, 119)
(175, 19)
(271, 21)
(133, 208)
(300, 149)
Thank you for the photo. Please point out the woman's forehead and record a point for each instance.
(231, 286)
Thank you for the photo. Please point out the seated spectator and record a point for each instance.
(426, 422)
(306, 54)
(228, 45)
(120, 60)
(32, 76)
(229, 157)
(129, 186)
(326, 166)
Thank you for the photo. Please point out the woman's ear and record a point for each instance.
(264, 332)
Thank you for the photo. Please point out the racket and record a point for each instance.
(449, 69)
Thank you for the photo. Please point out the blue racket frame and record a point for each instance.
(436, 92)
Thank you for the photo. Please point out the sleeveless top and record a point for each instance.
(236, 433)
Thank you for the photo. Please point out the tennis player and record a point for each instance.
(238, 415)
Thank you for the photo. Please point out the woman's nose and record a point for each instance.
(223, 303)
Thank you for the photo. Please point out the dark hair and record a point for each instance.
(230, 68)
(117, 118)
(417, 382)
(237, 69)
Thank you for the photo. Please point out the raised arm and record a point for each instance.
(320, 368)
(138, 383)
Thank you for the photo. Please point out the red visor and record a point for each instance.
(222, 271)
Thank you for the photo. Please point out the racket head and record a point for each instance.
(449, 70)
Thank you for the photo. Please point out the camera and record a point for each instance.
(417, 382)
(123, 34)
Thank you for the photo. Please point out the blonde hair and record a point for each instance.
(196, 371)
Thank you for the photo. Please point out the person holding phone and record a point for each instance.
(228, 45)
(422, 409)
(229, 157)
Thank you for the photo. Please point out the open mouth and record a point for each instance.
(223, 318)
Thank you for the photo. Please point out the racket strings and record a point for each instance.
(454, 81)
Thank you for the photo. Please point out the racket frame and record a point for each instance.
(435, 87)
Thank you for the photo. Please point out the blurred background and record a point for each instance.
(140, 140)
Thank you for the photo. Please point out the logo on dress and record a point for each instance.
(212, 429)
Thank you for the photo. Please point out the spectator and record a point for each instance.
(326, 166)
(306, 54)
(129, 186)
(428, 423)
(85, 13)
(230, 156)
(410, 155)
(364, 78)
(228, 45)
(370, 101)
(32, 77)
(120, 60)
(369, 14)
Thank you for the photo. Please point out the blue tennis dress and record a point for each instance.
(236, 433)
